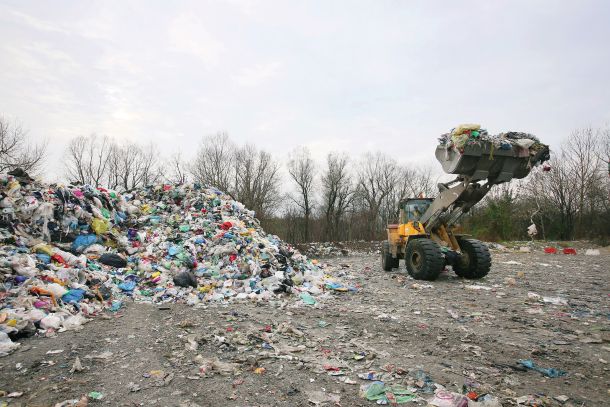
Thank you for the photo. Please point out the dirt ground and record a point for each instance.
(455, 331)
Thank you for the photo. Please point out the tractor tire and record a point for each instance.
(387, 261)
(424, 259)
(475, 260)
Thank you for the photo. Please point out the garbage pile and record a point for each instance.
(324, 249)
(339, 249)
(69, 252)
(525, 144)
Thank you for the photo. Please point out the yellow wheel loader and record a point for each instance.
(424, 236)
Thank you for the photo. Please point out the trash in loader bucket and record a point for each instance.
(471, 152)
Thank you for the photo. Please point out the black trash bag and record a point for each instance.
(113, 259)
(21, 175)
(266, 270)
(285, 286)
(284, 251)
(27, 329)
(185, 279)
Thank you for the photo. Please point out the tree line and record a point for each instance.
(343, 197)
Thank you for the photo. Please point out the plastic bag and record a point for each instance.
(465, 127)
(532, 230)
(445, 398)
(6, 345)
(50, 321)
(72, 296)
(383, 394)
(100, 226)
(127, 286)
(307, 298)
(82, 242)
(57, 290)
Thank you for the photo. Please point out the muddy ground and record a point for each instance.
(456, 331)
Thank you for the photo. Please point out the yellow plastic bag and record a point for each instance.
(464, 127)
(99, 226)
(460, 141)
(206, 288)
(43, 248)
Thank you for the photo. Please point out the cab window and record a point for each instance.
(415, 209)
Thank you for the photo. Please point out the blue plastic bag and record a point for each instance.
(549, 372)
(82, 242)
(116, 305)
(127, 286)
(73, 296)
(43, 258)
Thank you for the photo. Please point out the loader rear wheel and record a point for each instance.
(387, 261)
(424, 259)
(475, 260)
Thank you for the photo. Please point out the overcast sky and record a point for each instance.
(331, 75)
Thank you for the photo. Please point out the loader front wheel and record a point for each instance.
(424, 259)
(387, 261)
(475, 260)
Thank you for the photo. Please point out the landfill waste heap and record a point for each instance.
(70, 252)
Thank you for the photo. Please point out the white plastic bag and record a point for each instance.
(532, 230)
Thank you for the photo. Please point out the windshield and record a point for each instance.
(414, 209)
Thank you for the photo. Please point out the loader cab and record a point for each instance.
(412, 209)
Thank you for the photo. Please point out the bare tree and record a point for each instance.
(213, 163)
(100, 161)
(132, 166)
(583, 166)
(291, 230)
(604, 147)
(603, 154)
(247, 174)
(177, 169)
(377, 177)
(16, 151)
(256, 180)
(337, 194)
(557, 193)
(301, 168)
(88, 159)
(422, 181)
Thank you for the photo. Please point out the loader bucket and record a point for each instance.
(484, 161)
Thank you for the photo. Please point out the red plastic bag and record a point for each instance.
(550, 250)
(59, 259)
(569, 250)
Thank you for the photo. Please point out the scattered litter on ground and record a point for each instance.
(549, 372)
(382, 393)
(395, 341)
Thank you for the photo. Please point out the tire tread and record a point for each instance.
(433, 259)
(482, 259)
